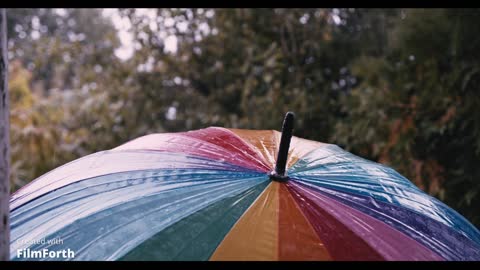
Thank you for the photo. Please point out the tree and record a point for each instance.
(244, 67)
(56, 59)
(60, 44)
(416, 106)
(397, 86)
(4, 143)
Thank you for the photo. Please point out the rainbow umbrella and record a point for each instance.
(232, 194)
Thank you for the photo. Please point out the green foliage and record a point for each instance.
(398, 86)
(418, 106)
(39, 140)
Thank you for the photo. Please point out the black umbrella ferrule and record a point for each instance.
(279, 174)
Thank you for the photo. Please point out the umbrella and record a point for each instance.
(232, 194)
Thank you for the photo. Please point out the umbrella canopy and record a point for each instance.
(217, 194)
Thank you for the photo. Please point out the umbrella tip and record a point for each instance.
(290, 115)
(279, 174)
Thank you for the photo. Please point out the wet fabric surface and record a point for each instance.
(205, 195)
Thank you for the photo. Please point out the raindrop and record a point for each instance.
(308, 82)
(334, 86)
(169, 22)
(35, 22)
(182, 26)
(336, 19)
(310, 60)
(66, 57)
(197, 50)
(353, 80)
(35, 34)
(18, 28)
(304, 18)
(98, 68)
(209, 13)
(80, 36)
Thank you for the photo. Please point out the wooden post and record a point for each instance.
(4, 143)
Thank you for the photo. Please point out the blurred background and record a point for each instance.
(397, 86)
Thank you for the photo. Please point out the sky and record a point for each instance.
(123, 26)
